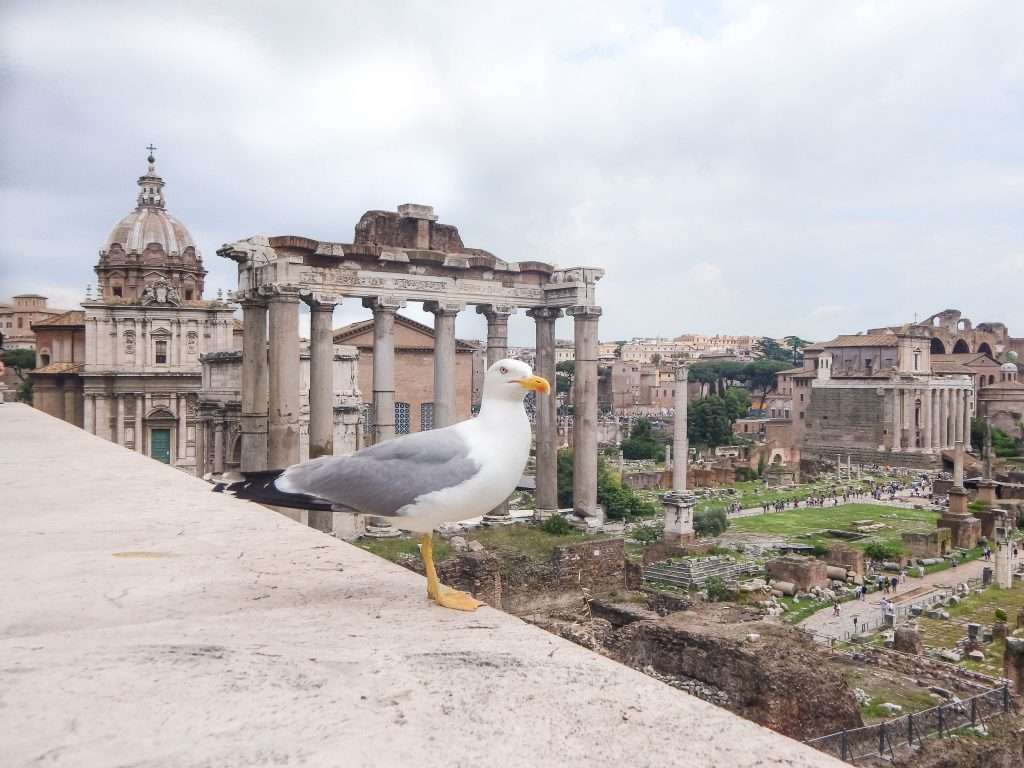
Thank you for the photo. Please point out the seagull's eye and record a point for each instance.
(503, 370)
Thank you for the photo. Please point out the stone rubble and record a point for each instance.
(694, 687)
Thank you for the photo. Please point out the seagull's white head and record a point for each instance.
(511, 380)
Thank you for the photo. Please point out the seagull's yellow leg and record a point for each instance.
(427, 553)
(444, 596)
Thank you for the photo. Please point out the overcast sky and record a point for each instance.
(766, 168)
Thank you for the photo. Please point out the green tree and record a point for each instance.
(796, 344)
(716, 589)
(708, 422)
(565, 371)
(20, 360)
(641, 443)
(717, 375)
(737, 402)
(761, 375)
(883, 550)
(768, 348)
(710, 522)
(618, 500)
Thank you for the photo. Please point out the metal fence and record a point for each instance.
(883, 739)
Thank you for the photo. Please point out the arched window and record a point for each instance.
(44, 358)
(426, 416)
(401, 418)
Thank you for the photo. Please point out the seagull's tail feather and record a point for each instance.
(262, 488)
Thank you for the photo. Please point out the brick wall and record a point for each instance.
(804, 572)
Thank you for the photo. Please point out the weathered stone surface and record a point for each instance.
(771, 681)
(907, 640)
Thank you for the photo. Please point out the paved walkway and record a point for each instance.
(869, 612)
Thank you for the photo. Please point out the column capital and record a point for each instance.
(450, 308)
(383, 303)
(281, 293)
(320, 302)
(544, 313)
(495, 312)
(584, 310)
(683, 372)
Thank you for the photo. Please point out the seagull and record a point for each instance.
(440, 476)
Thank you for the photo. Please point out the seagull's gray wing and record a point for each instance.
(386, 477)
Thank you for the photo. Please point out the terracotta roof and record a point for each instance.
(354, 329)
(949, 366)
(967, 358)
(59, 368)
(795, 371)
(72, 318)
(863, 340)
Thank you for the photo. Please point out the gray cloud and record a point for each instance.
(792, 167)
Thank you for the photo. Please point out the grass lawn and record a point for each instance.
(980, 609)
(752, 493)
(814, 521)
(892, 689)
(526, 539)
(392, 549)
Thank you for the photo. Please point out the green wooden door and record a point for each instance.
(160, 445)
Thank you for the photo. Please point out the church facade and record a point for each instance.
(145, 332)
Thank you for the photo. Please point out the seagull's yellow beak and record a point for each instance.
(535, 383)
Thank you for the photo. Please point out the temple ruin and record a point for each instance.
(396, 258)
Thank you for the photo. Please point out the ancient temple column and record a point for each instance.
(218, 447)
(444, 360)
(283, 401)
(967, 420)
(384, 309)
(944, 418)
(321, 375)
(255, 385)
(140, 406)
(585, 410)
(90, 414)
(907, 407)
(897, 420)
(680, 443)
(497, 348)
(119, 431)
(926, 417)
(547, 412)
(182, 427)
(936, 405)
(957, 425)
(497, 330)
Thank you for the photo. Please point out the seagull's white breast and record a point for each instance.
(499, 441)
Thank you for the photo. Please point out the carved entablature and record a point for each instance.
(410, 256)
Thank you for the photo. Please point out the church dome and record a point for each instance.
(150, 224)
(147, 248)
(1008, 368)
(143, 226)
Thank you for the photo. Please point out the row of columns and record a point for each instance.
(270, 392)
(96, 414)
(929, 420)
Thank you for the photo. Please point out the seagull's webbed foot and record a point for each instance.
(444, 596)
(453, 598)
